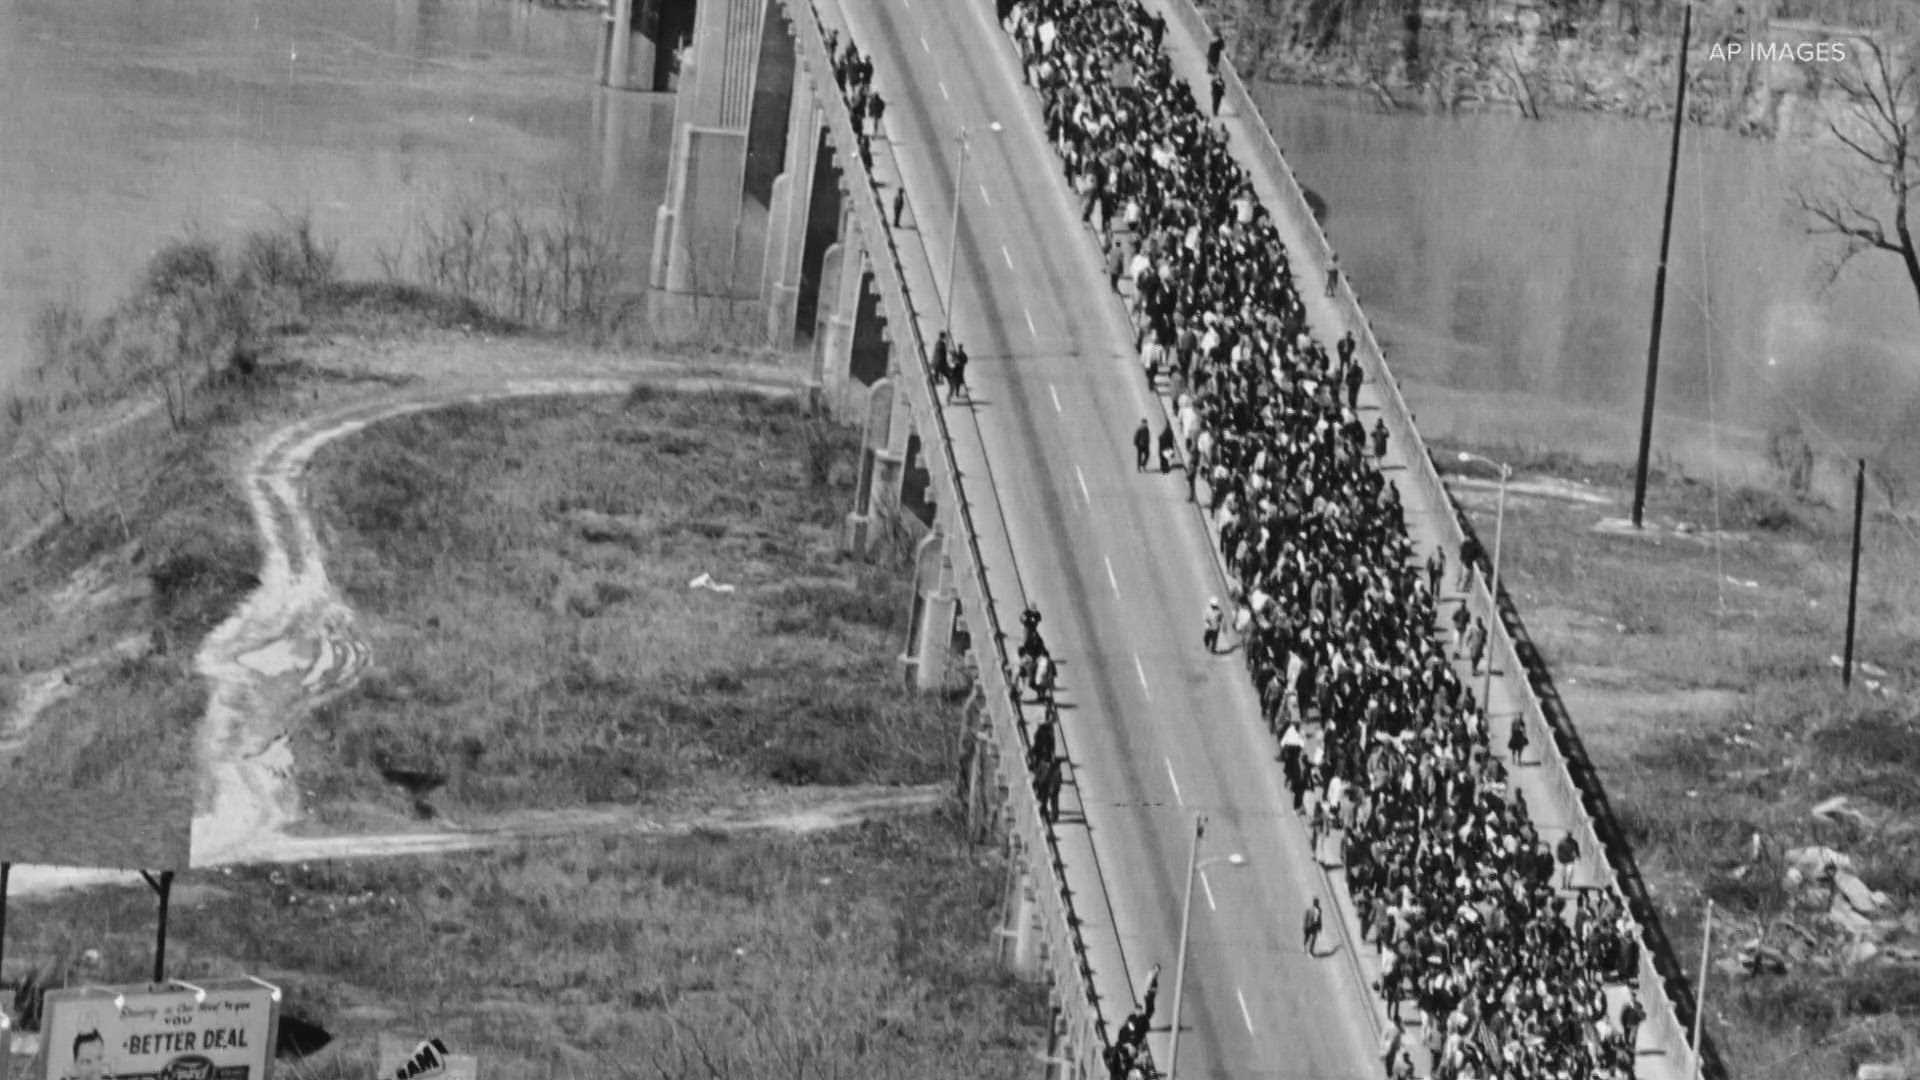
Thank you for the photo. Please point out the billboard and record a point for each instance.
(176, 1031)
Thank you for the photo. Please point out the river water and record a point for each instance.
(1508, 267)
(124, 122)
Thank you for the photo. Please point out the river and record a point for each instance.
(125, 122)
(1508, 267)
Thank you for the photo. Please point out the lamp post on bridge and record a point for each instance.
(953, 233)
(1493, 586)
(1194, 866)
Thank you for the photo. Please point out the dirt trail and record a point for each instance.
(293, 644)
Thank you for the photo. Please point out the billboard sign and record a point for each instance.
(168, 1032)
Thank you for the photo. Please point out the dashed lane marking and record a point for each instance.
(1084, 493)
(1112, 580)
(1244, 1014)
(1142, 672)
(1175, 782)
(1056, 398)
(1209, 890)
(1007, 256)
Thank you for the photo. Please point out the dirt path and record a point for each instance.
(293, 644)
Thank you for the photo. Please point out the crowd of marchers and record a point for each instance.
(1472, 910)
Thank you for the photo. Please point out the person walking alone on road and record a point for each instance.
(1333, 275)
(899, 204)
(1142, 445)
(1218, 88)
(1380, 437)
(1476, 646)
(1193, 472)
(1517, 740)
(942, 345)
(1211, 638)
(1310, 929)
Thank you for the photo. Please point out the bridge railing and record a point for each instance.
(1065, 949)
(1663, 983)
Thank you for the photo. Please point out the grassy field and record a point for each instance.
(859, 954)
(1698, 672)
(522, 569)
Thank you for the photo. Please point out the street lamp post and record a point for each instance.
(1194, 865)
(953, 233)
(1493, 595)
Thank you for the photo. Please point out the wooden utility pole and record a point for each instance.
(1853, 579)
(1660, 281)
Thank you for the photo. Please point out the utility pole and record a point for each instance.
(1180, 963)
(1700, 993)
(1660, 281)
(1853, 579)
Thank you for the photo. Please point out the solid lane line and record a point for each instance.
(1209, 889)
(1244, 1014)
(1175, 783)
(1056, 398)
(1142, 672)
(1083, 485)
(1111, 580)
(1007, 256)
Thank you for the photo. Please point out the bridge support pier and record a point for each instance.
(788, 216)
(841, 271)
(696, 229)
(931, 626)
(1021, 910)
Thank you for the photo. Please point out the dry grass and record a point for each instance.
(1713, 712)
(865, 953)
(524, 568)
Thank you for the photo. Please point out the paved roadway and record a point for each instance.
(1117, 562)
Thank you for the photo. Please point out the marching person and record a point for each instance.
(1044, 741)
(1211, 637)
(1047, 787)
(957, 375)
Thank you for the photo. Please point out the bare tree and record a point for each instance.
(1866, 203)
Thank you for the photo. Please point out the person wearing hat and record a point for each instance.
(1211, 638)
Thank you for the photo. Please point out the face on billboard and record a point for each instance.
(175, 1035)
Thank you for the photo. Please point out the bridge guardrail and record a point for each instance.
(1066, 952)
(1664, 986)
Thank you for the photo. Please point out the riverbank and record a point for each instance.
(1531, 59)
(1700, 664)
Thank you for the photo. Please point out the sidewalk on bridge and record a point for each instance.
(1113, 980)
(1328, 324)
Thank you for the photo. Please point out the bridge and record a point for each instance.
(1028, 495)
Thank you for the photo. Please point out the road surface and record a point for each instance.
(1157, 728)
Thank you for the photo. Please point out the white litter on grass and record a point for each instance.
(277, 658)
(705, 581)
